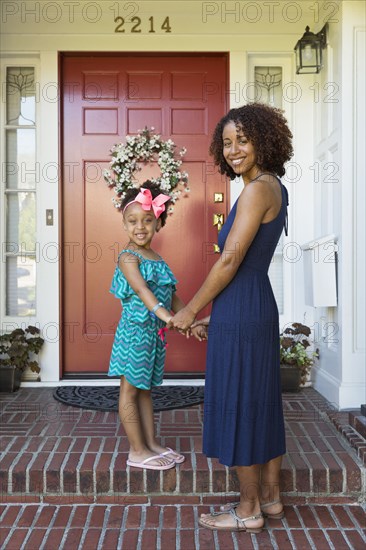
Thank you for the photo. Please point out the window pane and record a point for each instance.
(275, 274)
(268, 82)
(21, 222)
(20, 168)
(20, 96)
(21, 286)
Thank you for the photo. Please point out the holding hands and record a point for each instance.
(184, 322)
(199, 329)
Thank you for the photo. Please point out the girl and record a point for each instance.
(146, 287)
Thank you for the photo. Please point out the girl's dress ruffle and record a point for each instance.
(155, 273)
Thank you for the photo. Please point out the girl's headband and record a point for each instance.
(147, 202)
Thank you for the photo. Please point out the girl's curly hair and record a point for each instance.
(132, 193)
(266, 128)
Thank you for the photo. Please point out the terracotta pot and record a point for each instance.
(10, 379)
(290, 378)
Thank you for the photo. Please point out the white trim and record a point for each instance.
(317, 242)
(19, 56)
(106, 382)
(49, 279)
(358, 249)
(326, 384)
(342, 395)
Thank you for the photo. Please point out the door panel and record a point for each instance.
(106, 98)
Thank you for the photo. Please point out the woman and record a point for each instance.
(243, 418)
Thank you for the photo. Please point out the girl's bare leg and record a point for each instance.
(147, 421)
(129, 413)
(146, 409)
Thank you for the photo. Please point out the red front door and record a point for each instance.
(105, 98)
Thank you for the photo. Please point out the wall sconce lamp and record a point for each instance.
(309, 57)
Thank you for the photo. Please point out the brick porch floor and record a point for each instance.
(173, 527)
(64, 482)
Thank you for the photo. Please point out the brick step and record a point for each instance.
(52, 451)
(87, 467)
(358, 422)
(352, 426)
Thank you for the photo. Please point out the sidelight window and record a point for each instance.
(19, 176)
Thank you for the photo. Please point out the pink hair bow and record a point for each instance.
(147, 202)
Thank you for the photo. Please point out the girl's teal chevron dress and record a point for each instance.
(138, 353)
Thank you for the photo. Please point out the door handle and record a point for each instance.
(218, 219)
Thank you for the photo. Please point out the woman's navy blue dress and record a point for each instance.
(243, 417)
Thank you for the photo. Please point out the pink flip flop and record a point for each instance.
(145, 464)
(178, 458)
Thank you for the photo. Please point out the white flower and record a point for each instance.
(144, 148)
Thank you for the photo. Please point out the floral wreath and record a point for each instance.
(143, 148)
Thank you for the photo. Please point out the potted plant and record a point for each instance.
(296, 361)
(18, 350)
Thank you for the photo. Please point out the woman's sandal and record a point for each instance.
(238, 520)
(280, 515)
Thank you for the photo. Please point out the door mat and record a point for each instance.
(105, 398)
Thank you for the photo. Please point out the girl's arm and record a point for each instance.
(253, 203)
(129, 265)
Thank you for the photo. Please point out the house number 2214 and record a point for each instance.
(136, 24)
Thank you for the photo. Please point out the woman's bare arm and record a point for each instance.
(253, 204)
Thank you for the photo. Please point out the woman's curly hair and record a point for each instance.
(132, 193)
(266, 128)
